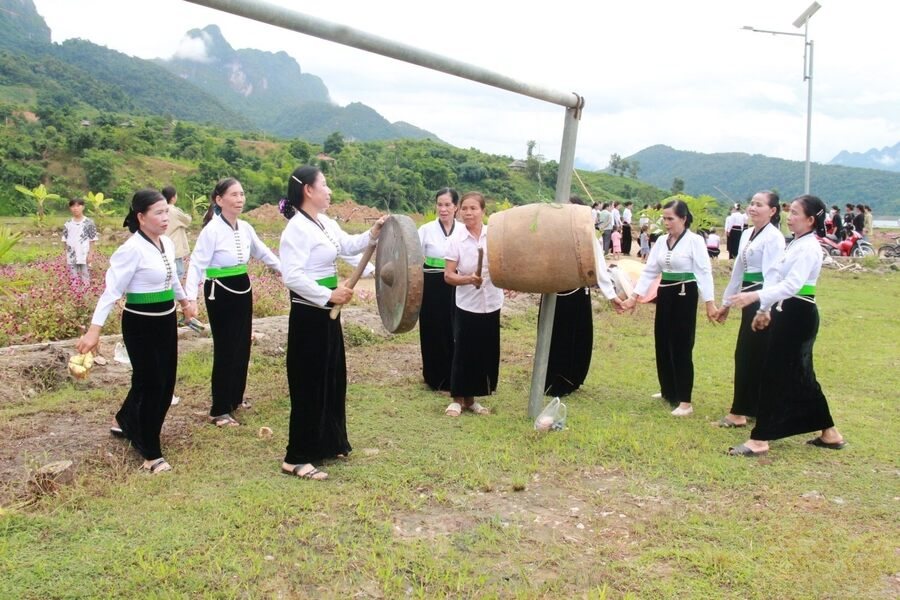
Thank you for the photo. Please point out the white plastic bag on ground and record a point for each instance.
(120, 354)
(552, 418)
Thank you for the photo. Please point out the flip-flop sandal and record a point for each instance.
(820, 443)
(311, 474)
(225, 420)
(157, 466)
(478, 409)
(117, 432)
(453, 410)
(727, 423)
(743, 450)
(246, 405)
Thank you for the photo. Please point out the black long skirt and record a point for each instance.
(674, 328)
(476, 354)
(571, 343)
(152, 344)
(626, 239)
(436, 330)
(317, 379)
(791, 399)
(749, 358)
(231, 323)
(733, 242)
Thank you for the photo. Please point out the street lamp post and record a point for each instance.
(802, 21)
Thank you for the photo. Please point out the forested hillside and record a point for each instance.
(739, 175)
(116, 154)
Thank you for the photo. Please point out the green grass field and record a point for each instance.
(627, 502)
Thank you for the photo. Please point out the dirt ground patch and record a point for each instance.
(36, 437)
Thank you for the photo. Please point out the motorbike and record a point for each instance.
(852, 245)
(891, 250)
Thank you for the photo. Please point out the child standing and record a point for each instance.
(79, 234)
(617, 242)
(644, 239)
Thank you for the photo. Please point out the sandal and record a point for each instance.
(116, 431)
(820, 443)
(478, 409)
(313, 473)
(246, 405)
(225, 420)
(157, 466)
(743, 450)
(727, 423)
(453, 410)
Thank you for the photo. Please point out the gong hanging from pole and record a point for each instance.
(399, 278)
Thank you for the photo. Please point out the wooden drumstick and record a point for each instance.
(357, 273)
(480, 263)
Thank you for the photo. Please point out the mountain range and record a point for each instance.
(886, 159)
(208, 81)
(736, 176)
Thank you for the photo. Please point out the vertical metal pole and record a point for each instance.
(809, 90)
(548, 301)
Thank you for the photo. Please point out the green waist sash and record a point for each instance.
(149, 297)
(753, 277)
(807, 290)
(331, 282)
(671, 276)
(437, 263)
(219, 272)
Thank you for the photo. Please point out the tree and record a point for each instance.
(677, 186)
(334, 143)
(300, 150)
(531, 144)
(99, 167)
(39, 195)
(634, 167)
(615, 163)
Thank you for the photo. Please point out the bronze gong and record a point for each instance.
(399, 279)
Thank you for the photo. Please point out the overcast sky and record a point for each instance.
(681, 73)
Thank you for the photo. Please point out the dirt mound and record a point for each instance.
(351, 212)
(267, 213)
(345, 212)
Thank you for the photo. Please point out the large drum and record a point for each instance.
(543, 248)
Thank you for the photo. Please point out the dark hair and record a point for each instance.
(74, 201)
(140, 204)
(815, 208)
(576, 200)
(475, 195)
(681, 210)
(454, 195)
(221, 187)
(301, 177)
(860, 208)
(168, 193)
(773, 200)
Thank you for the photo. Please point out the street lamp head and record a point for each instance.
(807, 15)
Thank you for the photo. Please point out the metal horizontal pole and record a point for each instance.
(286, 18)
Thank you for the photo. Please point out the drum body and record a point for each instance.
(544, 248)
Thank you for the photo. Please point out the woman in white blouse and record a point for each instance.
(760, 250)
(316, 365)
(220, 257)
(476, 325)
(143, 270)
(680, 256)
(791, 400)
(436, 314)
